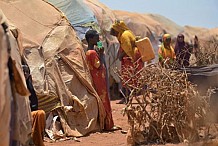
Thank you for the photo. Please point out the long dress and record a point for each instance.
(183, 54)
(131, 63)
(98, 73)
(130, 67)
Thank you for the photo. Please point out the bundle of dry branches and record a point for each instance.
(163, 106)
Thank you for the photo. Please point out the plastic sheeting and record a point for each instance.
(57, 62)
(5, 93)
(205, 77)
(75, 10)
(11, 97)
(78, 13)
(86, 14)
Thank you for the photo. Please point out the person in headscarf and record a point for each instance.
(38, 116)
(128, 53)
(94, 55)
(196, 46)
(126, 39)
(182, 51)
(166, 52)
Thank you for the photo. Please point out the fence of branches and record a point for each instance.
(162, 106)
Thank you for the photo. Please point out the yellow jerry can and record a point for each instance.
(145, 48)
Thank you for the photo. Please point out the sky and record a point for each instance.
(200, 13)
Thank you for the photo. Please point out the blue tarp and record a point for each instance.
(78, 13)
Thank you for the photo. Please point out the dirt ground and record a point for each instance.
(116, 138)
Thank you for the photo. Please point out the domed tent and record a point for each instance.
(5, 103)
(91, 14)
(57, 62)
(15, 121)
(78, 14)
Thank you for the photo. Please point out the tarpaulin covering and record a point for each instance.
(5, 93)
(205, 77)
(57, 62)
(86, 14)
(75, 10)
(79, 15)
(14, 101)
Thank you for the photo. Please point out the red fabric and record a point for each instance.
(99, 80)
(130, 68)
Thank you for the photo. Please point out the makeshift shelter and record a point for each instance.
(5, 104)
(91, 14)
(15, 121)
(79, 15)
(57, 62)
(205, 77)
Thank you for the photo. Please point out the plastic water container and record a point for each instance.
(145, 48)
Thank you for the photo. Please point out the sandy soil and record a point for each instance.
(116, 138)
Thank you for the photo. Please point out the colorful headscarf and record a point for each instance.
(165, 37)
(119, 26)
